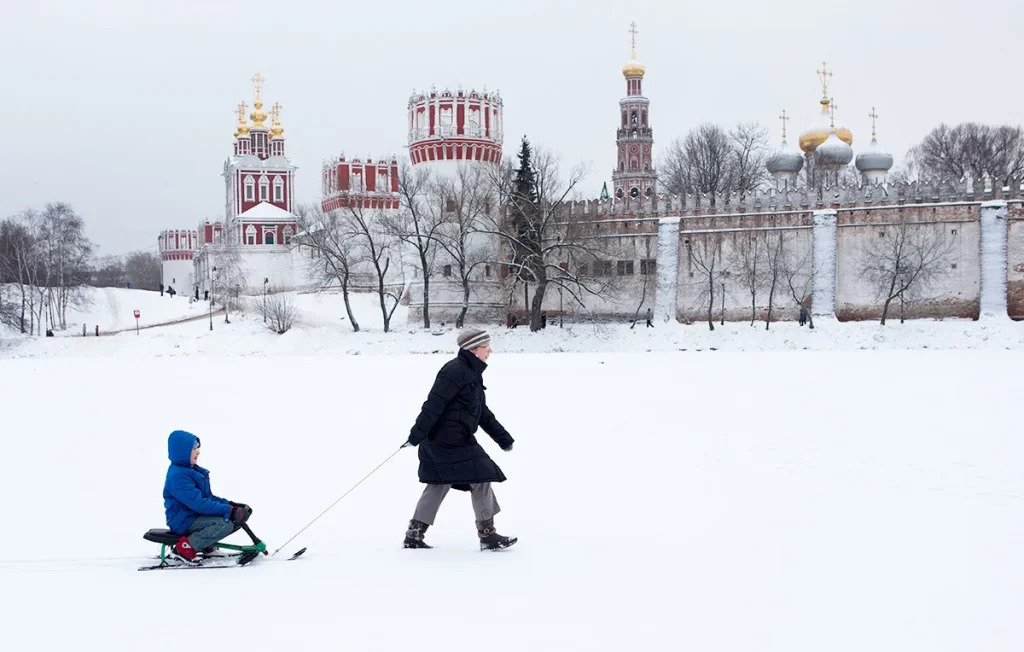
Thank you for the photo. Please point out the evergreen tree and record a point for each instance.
(526, 178)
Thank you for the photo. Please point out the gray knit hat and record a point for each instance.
(470, 338)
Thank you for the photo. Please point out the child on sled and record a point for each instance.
(193, 512)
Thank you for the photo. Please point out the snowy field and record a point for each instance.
(673, 489)
(322, 328)
(728, 501)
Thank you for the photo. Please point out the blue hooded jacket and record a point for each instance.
(187, 492)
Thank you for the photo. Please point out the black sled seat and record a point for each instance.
(161, 535)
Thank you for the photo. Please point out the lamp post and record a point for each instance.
(210, 277)
(265, 281)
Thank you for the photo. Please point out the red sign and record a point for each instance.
(136, 314)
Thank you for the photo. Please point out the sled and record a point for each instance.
(242, 555)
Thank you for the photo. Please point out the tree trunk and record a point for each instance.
(723, 304)
(348, 305)
(538, 302)
(460, 321)
(426, 289)
(711, 303)
(771, 297)
(383, 305)
(885, 310)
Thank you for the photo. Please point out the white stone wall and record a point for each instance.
(956, 294)
(179, 274)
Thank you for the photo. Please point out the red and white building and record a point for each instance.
(177, 251)
(455, 126)
(253, 240)
(370, 184)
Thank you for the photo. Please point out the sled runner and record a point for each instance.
(237, 555)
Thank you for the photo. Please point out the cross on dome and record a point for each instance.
(825, 74)
(784, 119)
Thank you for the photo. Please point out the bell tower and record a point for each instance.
(634, 174)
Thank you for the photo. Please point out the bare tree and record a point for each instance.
(748, 170)
(648, 270)
(905, 262)
(143, 270)
(799, 274)
(709, 160)
(465, 202)
(331, 245)
(969, 149)
(547, 246)
(279, 311)
(228, 273)
(375, 247)
(774, 262)
(418, 222)
(706, 254)
(66, 251)
(752, 267)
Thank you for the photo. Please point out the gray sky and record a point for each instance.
(125, 108)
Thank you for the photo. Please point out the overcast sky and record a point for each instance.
(125, 108)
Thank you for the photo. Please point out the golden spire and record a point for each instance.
(634, 68)
(242, 128)
(825, 74)
(873, 116)
(277, 129)
(258, 115)
(784, 119)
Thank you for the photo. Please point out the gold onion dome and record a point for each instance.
(277, 130)
(242, 128)
(819, 132)
(634, 68)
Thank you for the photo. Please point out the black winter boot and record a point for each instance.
(490, 539)
(414, 535)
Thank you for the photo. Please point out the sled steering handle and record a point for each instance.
(255, 539)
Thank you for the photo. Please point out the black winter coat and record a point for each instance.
(455, 407)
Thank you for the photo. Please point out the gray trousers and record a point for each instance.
(485, 505)
(208, 530)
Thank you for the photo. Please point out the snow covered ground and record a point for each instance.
(323, 328)
(758, 496)
(729, 501)
(114, 309)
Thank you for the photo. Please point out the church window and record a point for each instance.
(648, 267)
(632, 118)
(264, 189)
(287, 235)
(278, 190)
(602, 268)
(625, 267)
(487, 271)
(250, 235)
(268, 237)
(447, 270)
(250, 189)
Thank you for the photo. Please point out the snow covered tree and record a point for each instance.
(968, 149)
(706, 255)
(143, 270)
(377, 248)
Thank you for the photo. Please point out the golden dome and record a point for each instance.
(819, 132)
(277, 130)
(258, 115)
(633, 69)
(242, 128)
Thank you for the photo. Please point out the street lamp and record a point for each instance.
(210, 277)
(265, 281)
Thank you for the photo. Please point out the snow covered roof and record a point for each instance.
(265, 211)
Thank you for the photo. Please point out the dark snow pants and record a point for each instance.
(485, 505)
(208, 530)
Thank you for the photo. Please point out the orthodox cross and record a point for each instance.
(784, 119)
(257, 80)
(873, 116)
(276, 111)
(632, 31)
(825, 75)
(832, 110)
(242, 106)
